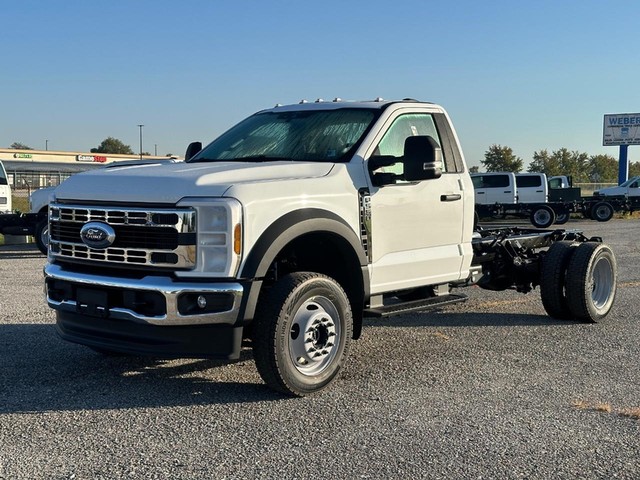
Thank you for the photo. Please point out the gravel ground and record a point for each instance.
(491, 388)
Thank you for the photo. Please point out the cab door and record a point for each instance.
(416, 227)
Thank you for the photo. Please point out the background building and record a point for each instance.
(32, 169)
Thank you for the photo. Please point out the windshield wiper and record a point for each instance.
(251, 158)
(257, 158)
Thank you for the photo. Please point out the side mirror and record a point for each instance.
(378, 161)
(192, 149)
(422, 158)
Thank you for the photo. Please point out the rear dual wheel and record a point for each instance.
(578, 281)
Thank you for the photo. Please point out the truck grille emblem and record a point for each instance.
(97, 235)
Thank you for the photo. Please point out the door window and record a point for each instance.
(405, 126)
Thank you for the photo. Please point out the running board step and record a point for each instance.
(415, 305)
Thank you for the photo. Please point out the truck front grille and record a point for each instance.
(149, 237)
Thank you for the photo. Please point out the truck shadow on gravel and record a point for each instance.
(41, 373)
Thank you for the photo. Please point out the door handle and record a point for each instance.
(452, 197)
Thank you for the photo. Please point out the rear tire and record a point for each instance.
(602, 212)
(562, 217)
(302, 331)
(591, 282)
(542, 216)
(552, 280)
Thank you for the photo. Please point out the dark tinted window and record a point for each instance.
(529, 181)
(490, 181)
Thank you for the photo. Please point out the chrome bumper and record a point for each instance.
(166, 286)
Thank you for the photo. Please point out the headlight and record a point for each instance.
(219, 236)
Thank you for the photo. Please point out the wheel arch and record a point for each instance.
(308, 240)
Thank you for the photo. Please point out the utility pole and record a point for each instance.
(140, 127)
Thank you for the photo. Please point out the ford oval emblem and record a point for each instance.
(97, 235)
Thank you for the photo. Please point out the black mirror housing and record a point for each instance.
(192, 149)
(422, 158)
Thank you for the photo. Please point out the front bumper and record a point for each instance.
(152, 300)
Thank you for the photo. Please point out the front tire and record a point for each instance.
(302, 331)
(591, 282)
(41, 236)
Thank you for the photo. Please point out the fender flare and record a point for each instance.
(283, 231)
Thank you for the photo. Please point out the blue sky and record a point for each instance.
(529, 75)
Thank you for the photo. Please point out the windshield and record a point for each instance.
(311, 135)
(629, 182)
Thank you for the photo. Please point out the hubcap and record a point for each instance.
(314, 336)
(542, 217)
(602, 282)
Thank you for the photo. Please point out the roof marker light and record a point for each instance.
(379, 99)
(302, 101)
(319, 100)
(337, 99)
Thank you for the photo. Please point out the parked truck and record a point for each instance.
(18, 223)
(546, 201)
(288, 230)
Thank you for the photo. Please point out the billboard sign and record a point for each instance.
(621, 129)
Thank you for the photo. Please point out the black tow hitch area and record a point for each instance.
(511, 257)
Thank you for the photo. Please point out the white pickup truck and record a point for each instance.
(287, 230)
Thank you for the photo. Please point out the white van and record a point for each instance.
(495, 187)
(5, 191)
(532, 187)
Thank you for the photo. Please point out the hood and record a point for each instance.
(169, 183)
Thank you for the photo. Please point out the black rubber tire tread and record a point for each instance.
(552, 280)
(546, 208)
(579, 284)
(270, 326)
(562, 217)
(602, 218)
(38, 234)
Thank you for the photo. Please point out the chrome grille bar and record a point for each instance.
(163, 225)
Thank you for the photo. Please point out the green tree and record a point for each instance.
(561, 162)
(474, 169)
(602, 168)
(634, 170)
(112, 145)
(20, 146)
(501, 159)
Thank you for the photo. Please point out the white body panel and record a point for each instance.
(532, 188)
(495, 187)
(418, 239)
(6, 205)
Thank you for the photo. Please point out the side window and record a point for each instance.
(405, 126)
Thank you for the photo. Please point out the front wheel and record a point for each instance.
(41, 235)
(301, 333)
